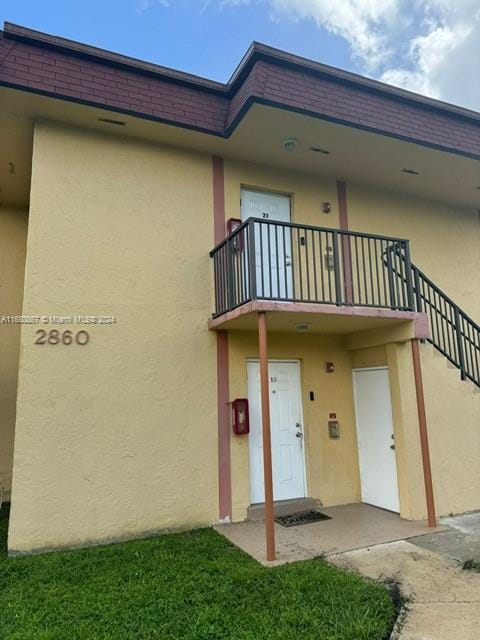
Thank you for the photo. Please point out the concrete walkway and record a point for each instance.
(460, 541)
(443, 600)
(351, 526)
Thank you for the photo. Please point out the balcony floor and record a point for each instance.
(322, 319)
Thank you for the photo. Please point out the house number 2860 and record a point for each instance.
(62, 337)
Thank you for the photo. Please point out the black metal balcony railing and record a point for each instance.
(278, 261)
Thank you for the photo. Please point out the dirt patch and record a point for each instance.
(400, 602)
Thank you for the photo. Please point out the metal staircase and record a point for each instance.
(453, 332)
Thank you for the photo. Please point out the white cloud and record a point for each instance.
(429, 46)
(442, 60)
(361, 23)
(147, 4)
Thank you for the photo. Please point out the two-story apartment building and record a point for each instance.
(299, 237)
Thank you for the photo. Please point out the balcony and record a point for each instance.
(293, 267)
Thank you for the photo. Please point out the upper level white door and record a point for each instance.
(286, 431)
(376, 444)
(273, 243)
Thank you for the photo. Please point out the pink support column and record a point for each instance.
(266, 437)
(224, 466)
(422, 425)
(346, 252)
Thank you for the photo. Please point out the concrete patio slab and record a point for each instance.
(461, 541)
(443, 601)
(351, 527)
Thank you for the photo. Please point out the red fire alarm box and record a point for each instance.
(240, 419)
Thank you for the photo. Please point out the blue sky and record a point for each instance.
(428, 46)
(207, 39)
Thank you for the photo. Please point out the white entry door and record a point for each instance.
(376, 446)
(273, 243)
(286, 431)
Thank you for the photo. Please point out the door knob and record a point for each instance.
(392, 447)
(299, 434)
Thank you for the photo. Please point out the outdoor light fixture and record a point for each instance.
(325, 152)
(290, 144)
(411, 172)
(303, 327)
(326, 207)
(119, 123)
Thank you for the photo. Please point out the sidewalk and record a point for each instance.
(443, 601)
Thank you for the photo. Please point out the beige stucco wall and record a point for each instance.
(453, 413)
(405, 428)
(123, 431)
(118, 437)
(13, 239)
(445, 243)
(453, 418)
(444, 240)
(331, 465)
(369, 357)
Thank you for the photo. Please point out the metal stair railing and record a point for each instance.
(453, 333)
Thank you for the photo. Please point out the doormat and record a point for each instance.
(301, 517)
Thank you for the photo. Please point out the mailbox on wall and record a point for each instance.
(237, 242)
(240, 419)
(232, 225)
(334, 429)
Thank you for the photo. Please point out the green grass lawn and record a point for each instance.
(183, 586)
(472, 565)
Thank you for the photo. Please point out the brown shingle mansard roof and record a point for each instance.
(64, 69)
